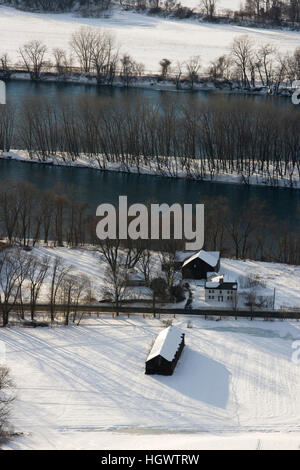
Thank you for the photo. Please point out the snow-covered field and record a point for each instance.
(235, 386)
(147, 38)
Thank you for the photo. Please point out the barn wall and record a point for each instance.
(200, 271)
(160, 366)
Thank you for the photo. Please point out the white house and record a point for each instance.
(219, 290)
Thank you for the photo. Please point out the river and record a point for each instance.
(95, 187)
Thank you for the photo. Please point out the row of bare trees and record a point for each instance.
(24, 275)
(199, 139)
(95, 52)
(82, 7)
(30, 215)
(248, 65)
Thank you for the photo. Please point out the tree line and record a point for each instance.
(255, 12)
(82, 7)
(198, 139)
(30, 215)
(96, 54)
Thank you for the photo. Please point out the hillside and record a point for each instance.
(147, 38)
(282, 277)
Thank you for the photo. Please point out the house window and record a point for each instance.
(220, 298)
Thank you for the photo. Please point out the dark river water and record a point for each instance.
(95, 187)
(18, 90)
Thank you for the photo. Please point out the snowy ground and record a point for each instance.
(235, 386)
(147, 38)
(284, 278)
(155, 170)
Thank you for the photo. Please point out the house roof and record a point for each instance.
(221, 285)
(181, 256)
(209, 257)
(166, 344)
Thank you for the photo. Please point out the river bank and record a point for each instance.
(167, 167)
(156, 83)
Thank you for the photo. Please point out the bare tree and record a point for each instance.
(63, 63)
(177, 72)
(9, 208)
(165, 65)
(251, 300)
(208, 7)
(33, 56)
(58, 273)
(242, 52)
(82, 44)
(37, 272)
(159, 291)
(4, 66)
(6, 398)
(115, 287)
(82, 292)
(167, 259)
(9, 283)
(130, 69)
(265, 62)
(145, 265)
(104, 55)
(193, 66)
(220, 68)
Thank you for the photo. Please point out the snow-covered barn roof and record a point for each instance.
(181, 256)
(209, 257)
(166, 344)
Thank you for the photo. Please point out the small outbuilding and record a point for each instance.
(165, 352)
(198, 265)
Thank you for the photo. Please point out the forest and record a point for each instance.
(270, 13)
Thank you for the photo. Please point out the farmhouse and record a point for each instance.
(198, 265)
(165, 352)
(218, 290)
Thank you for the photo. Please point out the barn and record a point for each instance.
(165, 352)
(201, 263)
